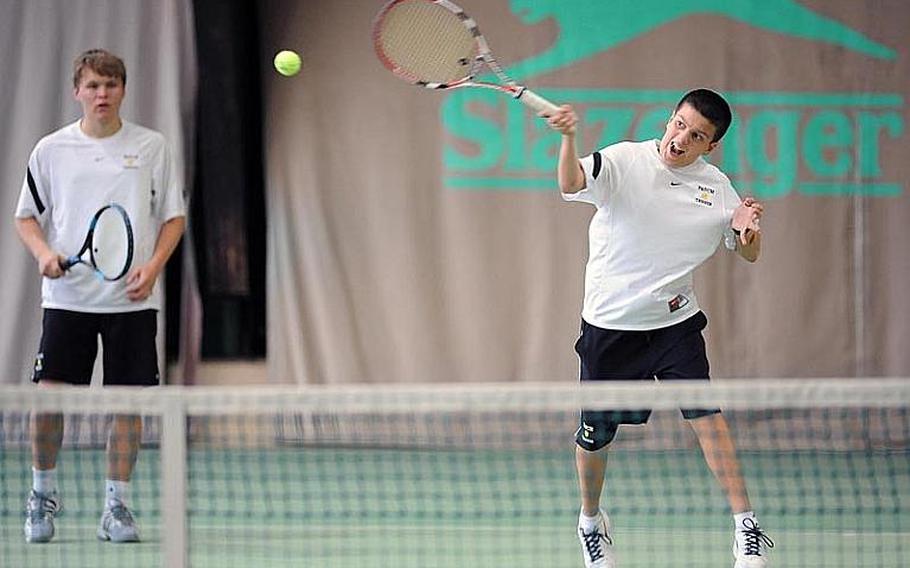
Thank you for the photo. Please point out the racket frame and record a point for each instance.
(77, 258)
(484, 56)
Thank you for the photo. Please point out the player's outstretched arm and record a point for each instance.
(569, 173)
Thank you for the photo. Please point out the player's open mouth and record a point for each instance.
(675, 151)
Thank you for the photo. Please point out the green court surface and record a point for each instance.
(349, 507)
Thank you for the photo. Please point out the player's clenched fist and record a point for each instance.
(563, 120)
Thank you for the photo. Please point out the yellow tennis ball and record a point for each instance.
(287, 62)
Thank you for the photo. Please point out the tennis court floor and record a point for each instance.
(344, 507)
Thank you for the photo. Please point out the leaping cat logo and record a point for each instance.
(588, 27)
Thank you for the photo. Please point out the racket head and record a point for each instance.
(431, 43)
(110, 243)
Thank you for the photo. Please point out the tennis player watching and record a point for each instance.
(72, 173)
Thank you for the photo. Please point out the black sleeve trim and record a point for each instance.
(597, 163)
(34, 190)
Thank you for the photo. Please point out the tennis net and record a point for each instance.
(465, 475)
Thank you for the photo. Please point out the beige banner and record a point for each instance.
(418, 235)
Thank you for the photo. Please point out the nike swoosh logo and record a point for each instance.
(675, 183)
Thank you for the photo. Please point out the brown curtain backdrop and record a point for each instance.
(418, 235)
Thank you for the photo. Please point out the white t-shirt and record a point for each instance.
(70, 176)
(653, 226)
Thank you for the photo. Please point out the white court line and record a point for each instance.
(474, 527)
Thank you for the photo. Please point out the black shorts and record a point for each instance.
(670, 353)
(69, 345)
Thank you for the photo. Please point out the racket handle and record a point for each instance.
(535, 101)
(68, 262)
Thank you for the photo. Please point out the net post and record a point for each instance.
(174, 480)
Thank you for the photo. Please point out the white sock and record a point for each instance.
(44, 481)
(116, 490)
(587, 523)
(738, 518)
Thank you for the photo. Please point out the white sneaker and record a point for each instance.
(597, 543)
(750, 545)
(117, 524)
(40, 510)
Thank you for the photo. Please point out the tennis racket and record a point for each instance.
(434, 44)
(109, 244)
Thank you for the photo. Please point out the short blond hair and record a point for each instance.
(100, 61)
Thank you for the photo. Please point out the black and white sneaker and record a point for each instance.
(750, 545)
(597, 543)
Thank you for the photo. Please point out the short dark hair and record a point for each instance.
(711, 106)
(100, 61)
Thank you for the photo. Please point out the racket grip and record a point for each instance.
(68, 262)
(536, 102)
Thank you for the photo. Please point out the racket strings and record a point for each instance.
(427, 42)
(110, 251)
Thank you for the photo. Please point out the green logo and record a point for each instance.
(817, 143)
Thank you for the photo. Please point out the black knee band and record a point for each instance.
(593, 435)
